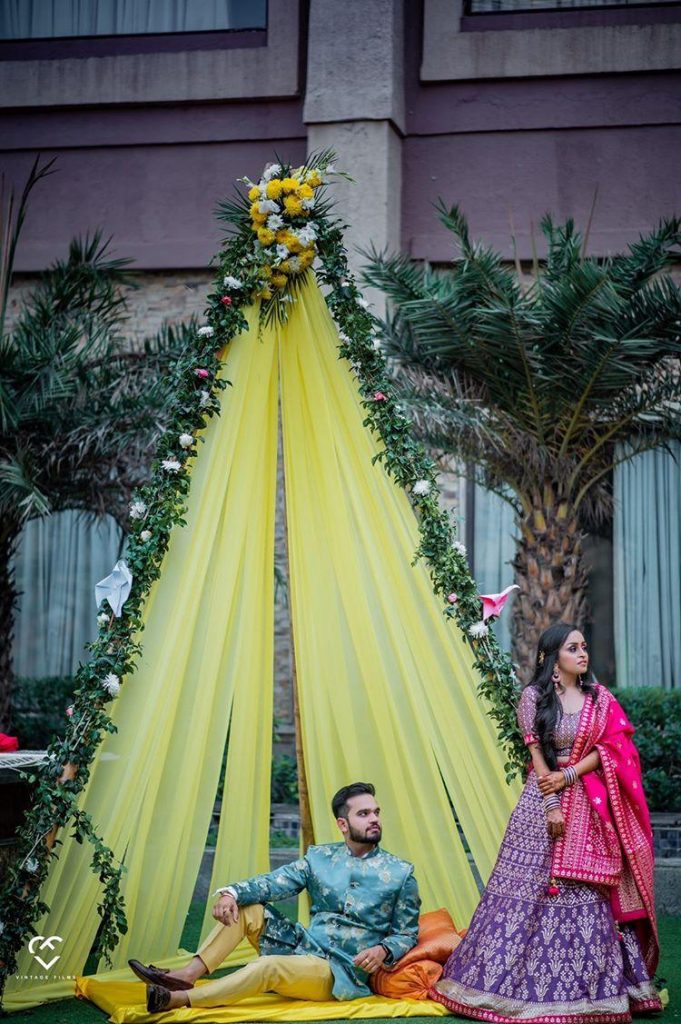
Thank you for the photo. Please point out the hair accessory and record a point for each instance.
(541, 657)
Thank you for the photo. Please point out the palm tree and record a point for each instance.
(543, 386)
(80, 408)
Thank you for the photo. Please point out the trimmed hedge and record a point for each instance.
(39, 710)
(656, 715)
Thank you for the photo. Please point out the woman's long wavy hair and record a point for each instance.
(549, 708)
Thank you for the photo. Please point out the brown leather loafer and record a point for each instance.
(158, 999)
(152, 975)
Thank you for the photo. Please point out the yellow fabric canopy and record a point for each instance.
(387, 686)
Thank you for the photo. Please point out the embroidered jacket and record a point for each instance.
(355, 902)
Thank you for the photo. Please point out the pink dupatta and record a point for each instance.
(608, 839)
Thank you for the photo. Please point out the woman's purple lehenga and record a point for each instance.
(538, 957)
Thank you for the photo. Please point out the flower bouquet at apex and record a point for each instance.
(287, 211)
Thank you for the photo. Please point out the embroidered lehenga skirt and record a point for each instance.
(534, 957)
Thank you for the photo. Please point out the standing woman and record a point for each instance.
(565, 930)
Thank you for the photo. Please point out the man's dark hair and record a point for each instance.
(339, 804)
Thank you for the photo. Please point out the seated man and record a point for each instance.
(365, 913)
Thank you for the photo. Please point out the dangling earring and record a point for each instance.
(555, 676)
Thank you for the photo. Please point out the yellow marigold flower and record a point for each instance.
(305, 192)
(290, 184)
(279, 280)
(282, 235)
(254, 193)
(313, 178)
(256, 215)
(265, 236)
(274, 188)
(285, 267)
(266, 272)
(293, 206)
(266, 293)
(307, 257)
(292, 243)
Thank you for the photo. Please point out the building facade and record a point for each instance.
(511, 108)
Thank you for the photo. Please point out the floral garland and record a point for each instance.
(268, 268)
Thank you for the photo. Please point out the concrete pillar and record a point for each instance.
(354, 103)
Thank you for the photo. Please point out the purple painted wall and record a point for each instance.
(517, 148)
(499, 177)
(150, 177)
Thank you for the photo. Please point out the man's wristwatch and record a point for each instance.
(388, 953)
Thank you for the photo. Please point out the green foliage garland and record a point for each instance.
(160, 505)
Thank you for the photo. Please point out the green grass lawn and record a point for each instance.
(79, 1012)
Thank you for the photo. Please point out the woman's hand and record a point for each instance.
(554, 782)
(555, 823)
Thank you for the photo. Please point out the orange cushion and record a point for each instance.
(438, 938)
(421, 967)
(410, 982)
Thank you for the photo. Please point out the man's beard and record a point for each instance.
(373, 836)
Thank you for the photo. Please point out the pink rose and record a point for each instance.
(226, 300)
(379, 396)
(452, 598)
(69, 711)
(202, 373)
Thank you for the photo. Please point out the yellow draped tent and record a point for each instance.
(386, 685)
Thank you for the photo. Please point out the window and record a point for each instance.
(50, 19)
(528, 6)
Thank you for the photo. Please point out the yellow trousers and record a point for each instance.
(298, 977)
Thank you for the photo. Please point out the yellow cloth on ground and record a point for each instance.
(125, 1004)
(387, 686)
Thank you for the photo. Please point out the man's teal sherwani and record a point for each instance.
(355, 902)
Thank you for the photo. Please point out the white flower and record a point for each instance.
(171, 465)
(112, 684)
(343, 336)
(459, 547)
(268, 206)
(206, 332)
(32, 865)
(306, 234)
(232, 282)
(282, 252)
(273, 171)
(137, 509)
(102, 619)
(363, 303)
(294, 264)
(422, 487)
(145, 535)
(274, 222)
(478, 630)
(204, 397)
(308, 204)
(376, 342)
(186, 440)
